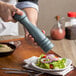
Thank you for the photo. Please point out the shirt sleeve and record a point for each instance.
(27, 3)
(34, 1)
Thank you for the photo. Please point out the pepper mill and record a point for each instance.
(36, 33)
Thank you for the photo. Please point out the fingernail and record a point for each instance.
(30, 36)
(43, 31)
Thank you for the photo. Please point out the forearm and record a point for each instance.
(31, 9)
(32, 15)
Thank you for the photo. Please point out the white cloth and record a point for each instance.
(8, 28)
(34, 59)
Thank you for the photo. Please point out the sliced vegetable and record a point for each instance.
(44, 60)
(1, 45)
(44, 56)
(51, 62)
(51, 66)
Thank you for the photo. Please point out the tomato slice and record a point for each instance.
(56, 57)
(51, 66)
(44, 56)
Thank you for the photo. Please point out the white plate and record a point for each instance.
(68, 63)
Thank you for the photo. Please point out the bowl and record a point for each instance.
(7, 53)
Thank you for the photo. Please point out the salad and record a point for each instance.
(51, 61)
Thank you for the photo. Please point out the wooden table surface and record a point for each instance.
(24, 51)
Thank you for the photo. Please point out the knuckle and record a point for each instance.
(13, 6)
(7, 19)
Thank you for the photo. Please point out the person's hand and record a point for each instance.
(30, 38)
(7, 11)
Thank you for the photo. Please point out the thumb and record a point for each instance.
(19, 12)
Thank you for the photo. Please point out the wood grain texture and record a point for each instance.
(10, 38)
(26, 50)
(66, 48)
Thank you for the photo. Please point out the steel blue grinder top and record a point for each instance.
(36, 33)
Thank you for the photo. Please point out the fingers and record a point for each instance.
(15, 10)
(43, 31)
(26, 33)
(31, 38)
(19, 12)
(7, 11)
(8, 17)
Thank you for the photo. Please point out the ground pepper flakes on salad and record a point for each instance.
(51, 61)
